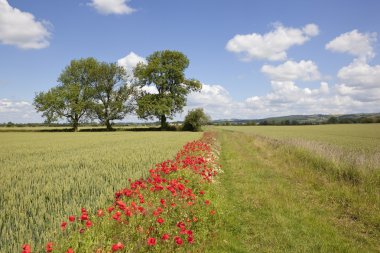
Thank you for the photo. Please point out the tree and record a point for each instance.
(111, 94)
(332, 120)
(195, 119)
(165, 71)
(71, 99)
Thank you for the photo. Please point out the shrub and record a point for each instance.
(195, 119)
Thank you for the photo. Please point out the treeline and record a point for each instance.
(330, 120)
(91, 90)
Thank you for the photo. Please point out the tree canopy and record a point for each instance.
(111, 94)
(195, 119)
(71, 99)
(165, 71)
(87, 89)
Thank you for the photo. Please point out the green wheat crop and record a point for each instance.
(47, 176)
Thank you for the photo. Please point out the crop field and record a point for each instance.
(357, 144)
(47, 176)
(364, 137)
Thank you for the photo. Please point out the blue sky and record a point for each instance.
(255, 58)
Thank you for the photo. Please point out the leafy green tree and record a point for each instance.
(195, 119)
(164, 70)
(71, 99)
(111, 94)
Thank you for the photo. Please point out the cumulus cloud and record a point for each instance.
(290, 71)
(107, 7)
(21, 29)
(361, 74)
(273, 45)
(354, 43)
(17, 111)
(130, 61)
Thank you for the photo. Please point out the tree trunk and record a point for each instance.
(75, 126)
(164, 124)
(108, 125)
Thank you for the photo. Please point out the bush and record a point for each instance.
(195, 119)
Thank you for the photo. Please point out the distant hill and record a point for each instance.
(306, 119)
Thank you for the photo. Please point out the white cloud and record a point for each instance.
(130, 61)
(273, 45)
(107, 7)
(21, 29)
(290, 71)
(360, 74)
(17, 111)
(354, 43)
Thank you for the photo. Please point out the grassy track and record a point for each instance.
(352, 137)
(48, 176)
(274, 200)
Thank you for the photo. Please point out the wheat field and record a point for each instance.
(46, 176)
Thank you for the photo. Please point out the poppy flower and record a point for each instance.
(26, 248)
(160, 220)
(151, 241)
(88, 223)
(72, 218)
(165, 237)
(100, 213)
(117, 246)
(178, 240)
(63, 225)
(49, 247)
(70, 250)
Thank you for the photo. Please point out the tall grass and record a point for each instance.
(47, 176)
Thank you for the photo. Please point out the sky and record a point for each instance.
(255, 59)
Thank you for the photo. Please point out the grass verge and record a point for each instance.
(274, 198)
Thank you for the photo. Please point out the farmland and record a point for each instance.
(282, 189)
(293, 196)
(47, 176)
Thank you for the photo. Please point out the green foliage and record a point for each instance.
(71, 99)
(47, 176)
(87, 89)
(195, 119)
(111, 94)
(164, 70)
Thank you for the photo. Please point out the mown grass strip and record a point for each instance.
(271, 200)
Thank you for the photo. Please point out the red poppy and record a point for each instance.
(151, 241)
(178, 240)
(165, 237)
(84, 216)
(207, 202)
(26, 248)
(117, 246)
(88, 223)
(49, 247)
(160, 220)
(70, 250)
(100, 213)
(72, 218)
(63, 225)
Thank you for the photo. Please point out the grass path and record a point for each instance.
(272, 201)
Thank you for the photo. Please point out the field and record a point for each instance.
(282, 189)
(293, 199)
(47, 176)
